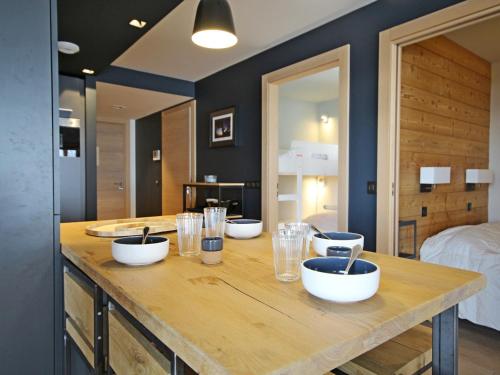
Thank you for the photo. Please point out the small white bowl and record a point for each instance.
(130, 250)
(345, 239)
(319, 279)
(243, 228)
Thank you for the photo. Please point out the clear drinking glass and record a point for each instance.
(215, 221)
(287, 249)
(305, 230)
(189, 227)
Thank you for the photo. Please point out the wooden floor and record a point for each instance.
(479, 350)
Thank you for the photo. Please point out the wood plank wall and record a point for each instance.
(445, 118)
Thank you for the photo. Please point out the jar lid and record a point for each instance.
(211, 244)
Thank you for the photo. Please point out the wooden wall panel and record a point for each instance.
(444, 121)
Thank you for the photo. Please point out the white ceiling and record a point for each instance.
(318, 87)
(481, 38)
(167, 49)
(138, 103)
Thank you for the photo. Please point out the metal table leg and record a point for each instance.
(184, 193)
(445, 342)
(181, 368)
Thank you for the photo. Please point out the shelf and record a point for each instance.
(200, 210)
(216, 184)
(287, 197)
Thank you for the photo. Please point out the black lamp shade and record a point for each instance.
(214, 16)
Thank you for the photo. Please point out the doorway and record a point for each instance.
(391, 114)
(112, 161)
(129, 149)
(305, 137)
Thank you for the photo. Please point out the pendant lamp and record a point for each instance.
(213, 25)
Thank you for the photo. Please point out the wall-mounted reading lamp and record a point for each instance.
(477, 176)
(430, 176)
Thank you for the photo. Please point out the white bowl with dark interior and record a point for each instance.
(243, 228)
(131, 251)
(344, 239)
(322, 278)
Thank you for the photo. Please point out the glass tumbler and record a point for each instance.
(189, 228)
(305, 230)
(215, 221)
(287, 250)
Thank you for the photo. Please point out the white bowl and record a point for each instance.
(129, 250)
(347, 239)
(243, 228)
(361, 283)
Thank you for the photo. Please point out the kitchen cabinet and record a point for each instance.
(130, 352)
(83, 323)
(103, 338)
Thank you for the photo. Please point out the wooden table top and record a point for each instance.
(236, 318)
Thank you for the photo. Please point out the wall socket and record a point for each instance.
(252, 184)
(424, 211)
(371, 187)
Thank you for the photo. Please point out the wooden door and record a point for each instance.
(178, 154)
(111, 171)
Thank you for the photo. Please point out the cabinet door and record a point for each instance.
(130, 352)
(79, 308)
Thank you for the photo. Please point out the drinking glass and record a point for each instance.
(287, 249)
(189, 227)
(305, 230)
(215, 221)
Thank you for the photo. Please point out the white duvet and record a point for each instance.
(475, 248)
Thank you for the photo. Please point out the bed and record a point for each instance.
(475, 248)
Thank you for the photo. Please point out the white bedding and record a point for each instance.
(475, 248)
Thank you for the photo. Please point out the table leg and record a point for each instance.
(184, 193)
(445, 342)
(181, 368)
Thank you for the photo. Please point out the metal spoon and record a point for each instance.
(145, 233)
(355, 253)
(320, 232)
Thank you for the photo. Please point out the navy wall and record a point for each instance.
(28, 195)
(147, 171)
(240, 85)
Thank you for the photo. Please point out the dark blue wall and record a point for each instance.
(147, 81)
(28, 197)
(147, 139)
(240, 85)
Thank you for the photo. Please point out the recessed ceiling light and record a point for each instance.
(118, 107)
(137, 23)
(87, 71)
(67, 48)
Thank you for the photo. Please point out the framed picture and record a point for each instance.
(222, 128)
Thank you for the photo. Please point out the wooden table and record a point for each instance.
(236, 318)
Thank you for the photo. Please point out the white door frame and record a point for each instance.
(338, 57)
(391, 42)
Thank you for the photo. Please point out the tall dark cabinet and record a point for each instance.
(29, 222)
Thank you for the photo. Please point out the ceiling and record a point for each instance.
(137, 102)
(101, 29)
(481, 38)
(260, 24)
(318, 87)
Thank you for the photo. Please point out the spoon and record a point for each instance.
(230, 221)
(145, 233)
(320, 232)
(355, 253)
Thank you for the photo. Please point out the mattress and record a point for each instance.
(326, 221)
(474, 248)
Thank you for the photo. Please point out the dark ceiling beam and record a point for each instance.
(146, 81)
